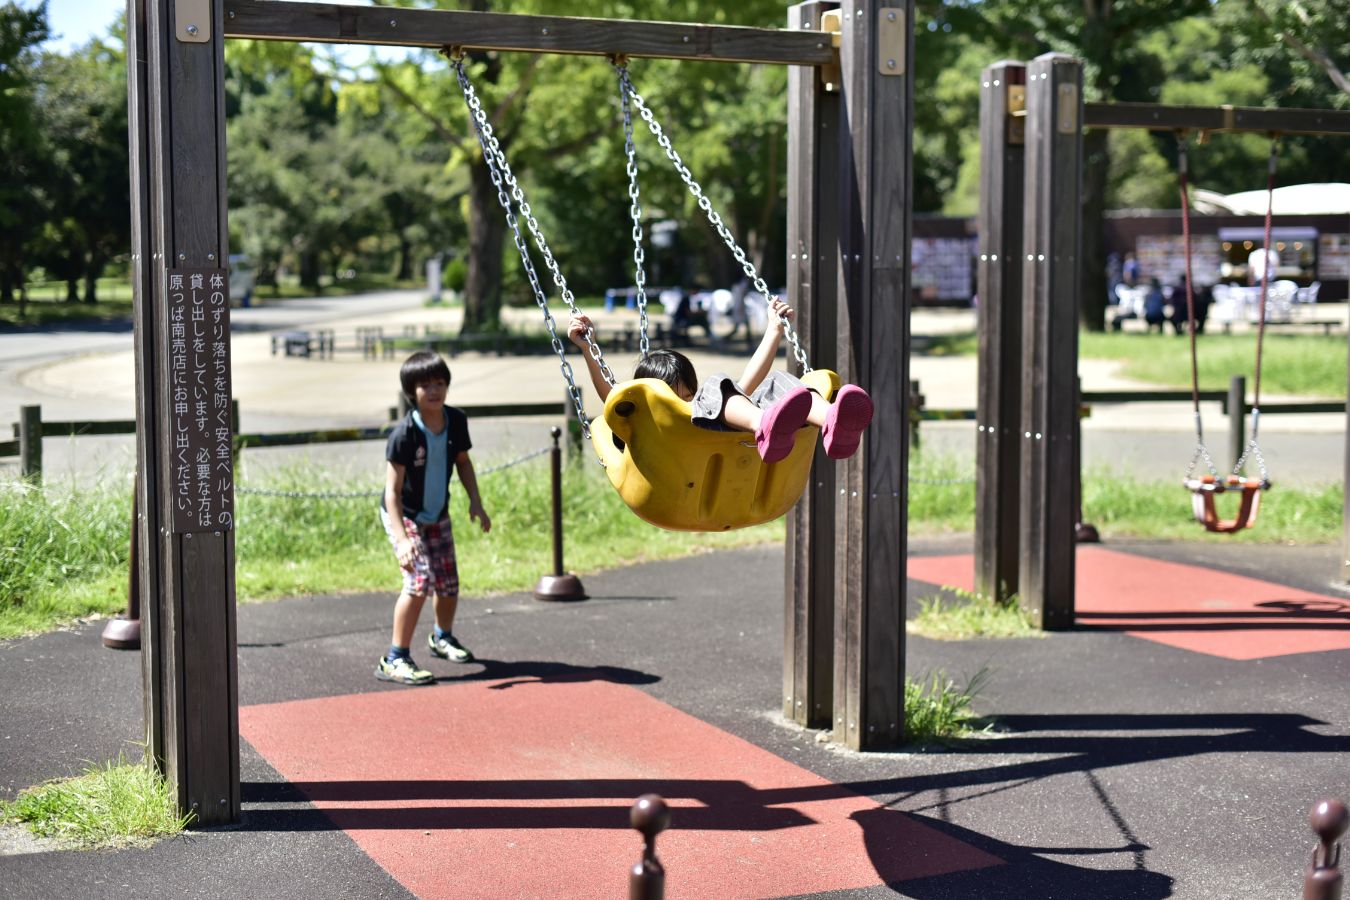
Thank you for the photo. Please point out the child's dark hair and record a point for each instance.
(422, 366)
(670, 366)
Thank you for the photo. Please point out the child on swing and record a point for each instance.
(771, 405)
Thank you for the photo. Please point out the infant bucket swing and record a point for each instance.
(1205, 488)
(667, 470)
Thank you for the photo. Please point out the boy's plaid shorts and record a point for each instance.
(434, 563)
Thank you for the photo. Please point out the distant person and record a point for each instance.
(1202, 298)
(1129, 270)
(415, 511)
(1259, 261)
(773, 405)
(739, 316)
(1155, 307)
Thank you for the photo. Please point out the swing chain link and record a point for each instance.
(1253, 450)
(713, 217)
(500, 170)
(635, 209)
(1201, 452)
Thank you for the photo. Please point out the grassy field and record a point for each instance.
(63, 556)
(1311, 365)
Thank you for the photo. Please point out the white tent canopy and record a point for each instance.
(1292, 200)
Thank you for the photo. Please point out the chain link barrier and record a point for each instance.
(347, 495)
(713, 217)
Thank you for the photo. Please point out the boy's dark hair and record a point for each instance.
(424, 365)
(672, 367)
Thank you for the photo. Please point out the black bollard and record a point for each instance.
(1323, 880)
(560, 585)
(647, 878)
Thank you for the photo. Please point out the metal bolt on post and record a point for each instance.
(1323, 879)
(559, 585)
(647, 877)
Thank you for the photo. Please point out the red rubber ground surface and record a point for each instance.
(522, 789)
(1197, 609)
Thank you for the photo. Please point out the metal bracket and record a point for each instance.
(832, 73)
(192, 21)
(892, 39)
(1066, 119)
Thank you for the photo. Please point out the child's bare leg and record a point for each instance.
(445, 607)
(820, 408)
(406, 611)
(741, 414)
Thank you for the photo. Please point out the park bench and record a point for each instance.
(318, 342)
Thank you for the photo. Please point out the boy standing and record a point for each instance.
(415, 512)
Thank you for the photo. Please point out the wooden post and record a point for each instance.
(1237, 416)
(876, 103)
(813, 179)
(30, 443)
(998, 471)
(177, 141)
(1053, 211)
(1345, 506)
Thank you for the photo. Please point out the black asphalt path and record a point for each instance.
(1118, 768)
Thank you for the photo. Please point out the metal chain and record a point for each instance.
(500, 170)
(706, 205)
(344, 495)
(635, 209)
(1201, 451)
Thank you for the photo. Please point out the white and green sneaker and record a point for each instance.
(446, 647)
(403, 671)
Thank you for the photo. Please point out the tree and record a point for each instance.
(1317, 32)
(1106, 35)
(21, 203)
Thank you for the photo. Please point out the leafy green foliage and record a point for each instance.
(117, 804)
(958, 615)
(938, 709)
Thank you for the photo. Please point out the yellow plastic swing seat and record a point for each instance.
(680, 477)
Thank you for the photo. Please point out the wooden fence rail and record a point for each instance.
(30, 429)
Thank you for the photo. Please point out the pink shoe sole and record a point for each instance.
(848, 418)
(780, 423)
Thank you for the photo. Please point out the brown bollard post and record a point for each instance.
(124, 632)
(647, 878)
(1237, 416)
(1323, 880)
(560, 585)
(30, 443)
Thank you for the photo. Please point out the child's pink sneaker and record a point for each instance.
(848, 418)
(780, 423)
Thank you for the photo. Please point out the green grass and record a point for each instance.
(941, 494)
(1311, 365)
(47, 306)
(63, 555)
(938, 709)
(118, 804)
(961, 615)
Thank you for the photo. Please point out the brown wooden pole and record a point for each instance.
(177, 134)
(1237, 416)
(124, 632)
(1323, 879)
(650, 816)
(813, 177)
(1051, 231)
(877, 103)
(998, 472)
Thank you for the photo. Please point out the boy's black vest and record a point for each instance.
(408, 447)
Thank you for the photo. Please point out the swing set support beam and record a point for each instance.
(333, 23)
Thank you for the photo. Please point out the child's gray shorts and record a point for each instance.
(711, 399)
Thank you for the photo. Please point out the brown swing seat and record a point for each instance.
(1203, 491)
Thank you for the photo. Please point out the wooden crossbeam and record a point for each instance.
(333, 23)
(1158, 117)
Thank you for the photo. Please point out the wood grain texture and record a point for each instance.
(998, 444)
(394, 27)
(179, 109)
(1157, 117)
(1053, 211)
(872, 342)
(808, 648)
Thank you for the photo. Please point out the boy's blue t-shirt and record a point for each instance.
(409, 446)
(438, 470)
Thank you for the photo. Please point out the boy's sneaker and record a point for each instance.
(402, 670)
(446, 647)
